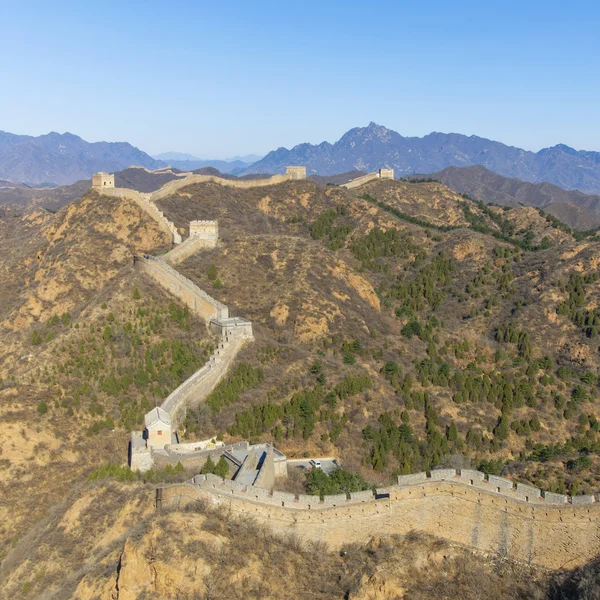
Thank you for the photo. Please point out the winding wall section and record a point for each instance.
(233, 333)
(463, 508)
(198, 301)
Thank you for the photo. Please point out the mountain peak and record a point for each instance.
(374, 146)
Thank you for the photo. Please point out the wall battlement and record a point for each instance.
(172, 186)
(145, 202)
(466, 477)
(233, 333)
(105, 183)
(197, 387)
(548, 530)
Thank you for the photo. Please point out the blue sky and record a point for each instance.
(218, 79)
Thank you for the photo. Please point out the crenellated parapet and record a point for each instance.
(490, 514)
(466, 477)
(201, 303)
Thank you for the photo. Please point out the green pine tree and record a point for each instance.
(208, 467)
(222, 468)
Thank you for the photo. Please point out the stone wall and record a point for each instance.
(354, 183)
(233, 334)
(194, 390)
(189, 293)
(186, 249)
(177, 184)
(542, 532)
(145, 202)
(381, 174)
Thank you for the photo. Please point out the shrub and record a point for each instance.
(316, 368)
(411, 329)
(340, 481)
(42, 408)
(112, 471)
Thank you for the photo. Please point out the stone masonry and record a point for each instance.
(103, 181)
(207, 230)
(296, 172)
(203, 234)
(487, 513)
(381, 174)
(232, 333)
(549, 530)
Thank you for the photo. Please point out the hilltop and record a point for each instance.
(369, 148)
(580, 211)
(399, 326)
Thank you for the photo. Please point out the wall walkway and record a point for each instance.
(233, 333)
(176, 184)
(146, 203)
(354, 183)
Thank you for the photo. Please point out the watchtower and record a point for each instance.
(158, 428)
(386, 173)
(205, 230)
(103, 180)
(296, 172)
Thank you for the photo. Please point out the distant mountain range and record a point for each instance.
(189, 162)
(369, 148)
(59, 159)
(62, 159)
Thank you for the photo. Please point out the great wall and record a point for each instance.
(487, 513)
(490, 516)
